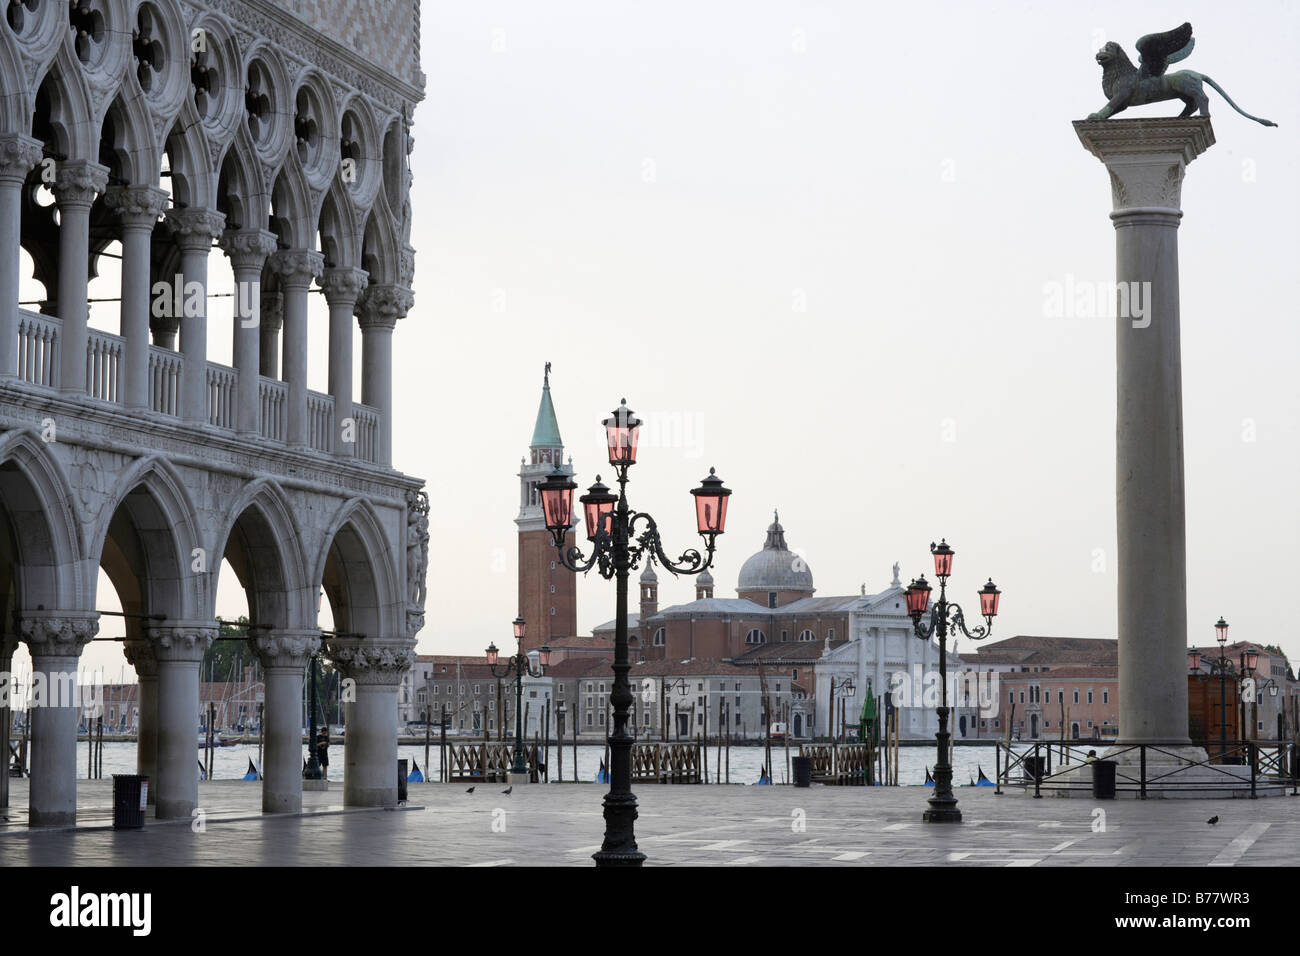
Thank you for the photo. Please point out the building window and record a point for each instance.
(659, 637)
(552, 565)
(1090, 697)
(1060, 696)
(755, 636)
(1022, 697)
(552, 610)
(830, 634)
(602, 718)
(807, 635)
(589, 719)
(785, 635)
(435, 690)
(1076, 696)
(602, 687)
(476, 689)
(795, 675)
(1105, 697)
(589, 688)
(771, 599)
(778, 687)
(552, 588)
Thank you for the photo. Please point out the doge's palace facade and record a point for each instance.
(275, 133)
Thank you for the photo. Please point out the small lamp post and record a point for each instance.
(518, 665)
(617, 549)
(1222, 667)
(943, 617)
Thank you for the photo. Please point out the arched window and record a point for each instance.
(807, 635)
(659, 637)
(755, 636)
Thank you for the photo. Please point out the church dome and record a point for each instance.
(776, 567)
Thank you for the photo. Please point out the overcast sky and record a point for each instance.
(810, 243)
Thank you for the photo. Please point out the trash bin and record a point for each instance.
(1103, 779)
(401, 781)
(802, 771)
(130, 797)
(1035, 767)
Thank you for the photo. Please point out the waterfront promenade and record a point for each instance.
(561, 825)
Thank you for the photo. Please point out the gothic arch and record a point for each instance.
(293, 209)
(134, 153)
(39, 526)
(193, 182)
(15, 103)
(379, 250)
(241, 192)
(339, 239)
(356, 570)
(264, 546)
(61, 91)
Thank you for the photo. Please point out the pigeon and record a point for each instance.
(1212, 821)
(507, 790)
(470, 790)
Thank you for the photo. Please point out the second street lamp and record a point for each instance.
(617, 549)
(518, 664)
(1221, 666)
(943, 617)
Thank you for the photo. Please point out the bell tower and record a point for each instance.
(548, 599)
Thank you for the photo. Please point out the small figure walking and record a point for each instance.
(1091, 758)
(323, 752)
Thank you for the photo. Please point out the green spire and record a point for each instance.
(546, 434)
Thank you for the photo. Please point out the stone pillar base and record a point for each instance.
(513, 778)
(1169, 770)
(320, 785)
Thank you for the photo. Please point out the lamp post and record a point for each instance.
(518, 664)
(617, 549)
(1221, 666)
(945, 616)
(845, 688)
(312, 772)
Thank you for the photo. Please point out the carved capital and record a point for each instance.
(58, 634)
(186, 642)
(140, 655)
(284, 648)
(248, 248)
(136, 206)
(380, 306)
(297, 267)
(194, 228)
(18, 154)
(342, 286)
(369, 661)
(271, 315)
(1146, 158)
(77, 183)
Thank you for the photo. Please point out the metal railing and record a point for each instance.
(1270, 763)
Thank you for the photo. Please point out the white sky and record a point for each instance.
(815, 237)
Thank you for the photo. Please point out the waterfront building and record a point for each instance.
(172, 141)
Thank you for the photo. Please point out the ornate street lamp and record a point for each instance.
(617, 549)
(943, 617)
(1223, 668)
(518, 665)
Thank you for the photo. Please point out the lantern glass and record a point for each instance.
(1252, 660)
(989, 597)
(942, 558)
(918, 596)
(544, 655)
(1272, 690)
(493, 655)
(1194, 659)
(557, 501)
(520, 628)
(711, 505)
(622, 431)
(597, 503)
(1221, 631)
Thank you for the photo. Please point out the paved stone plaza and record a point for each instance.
(561, 825)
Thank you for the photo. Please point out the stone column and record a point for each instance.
(138, 209)
(75, 187)
(18, 154)
(55, 639)
(179, 649)
(272, 319)
(194, 230)
(284, 654)
(248, 250)
(1146, 160)
(380, 308)
(140, 655)
(370, 746)
(342, 286)
(296, 268)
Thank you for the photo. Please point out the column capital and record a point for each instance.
(372, 661)
(380, 306)
(78, 182)
(136, 206)
(297, 267)
(140, 655)
(343, 286)
(195, 228)
(284, 648)
(58, 633)
(271, 313)
(247, 248)
(1146, 158)
(184, 641)
(18, 154)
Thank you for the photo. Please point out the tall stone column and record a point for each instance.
(296, 268)
(380, 308)
(76, 184)
(140, 655)
(370, 746)
(179, 649)
(1146, 160)
(284, 655)
(342, 287)
(18, 154)
(272, 319)
(248, 250)
(194, 230)
(138, 209)
(55, 639)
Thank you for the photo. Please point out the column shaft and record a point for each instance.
(178, 720)
(370, 748)
(297, 268)
(194, 229)
(138, 209)
(248, 251)
(282, 757)
(342, 286)
(18, 154)
(75, 188)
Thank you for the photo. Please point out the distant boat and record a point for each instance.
(415, 776)
(763, 779)
(929, 780)
(602, 775)
(252, 771)
(983, 780)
